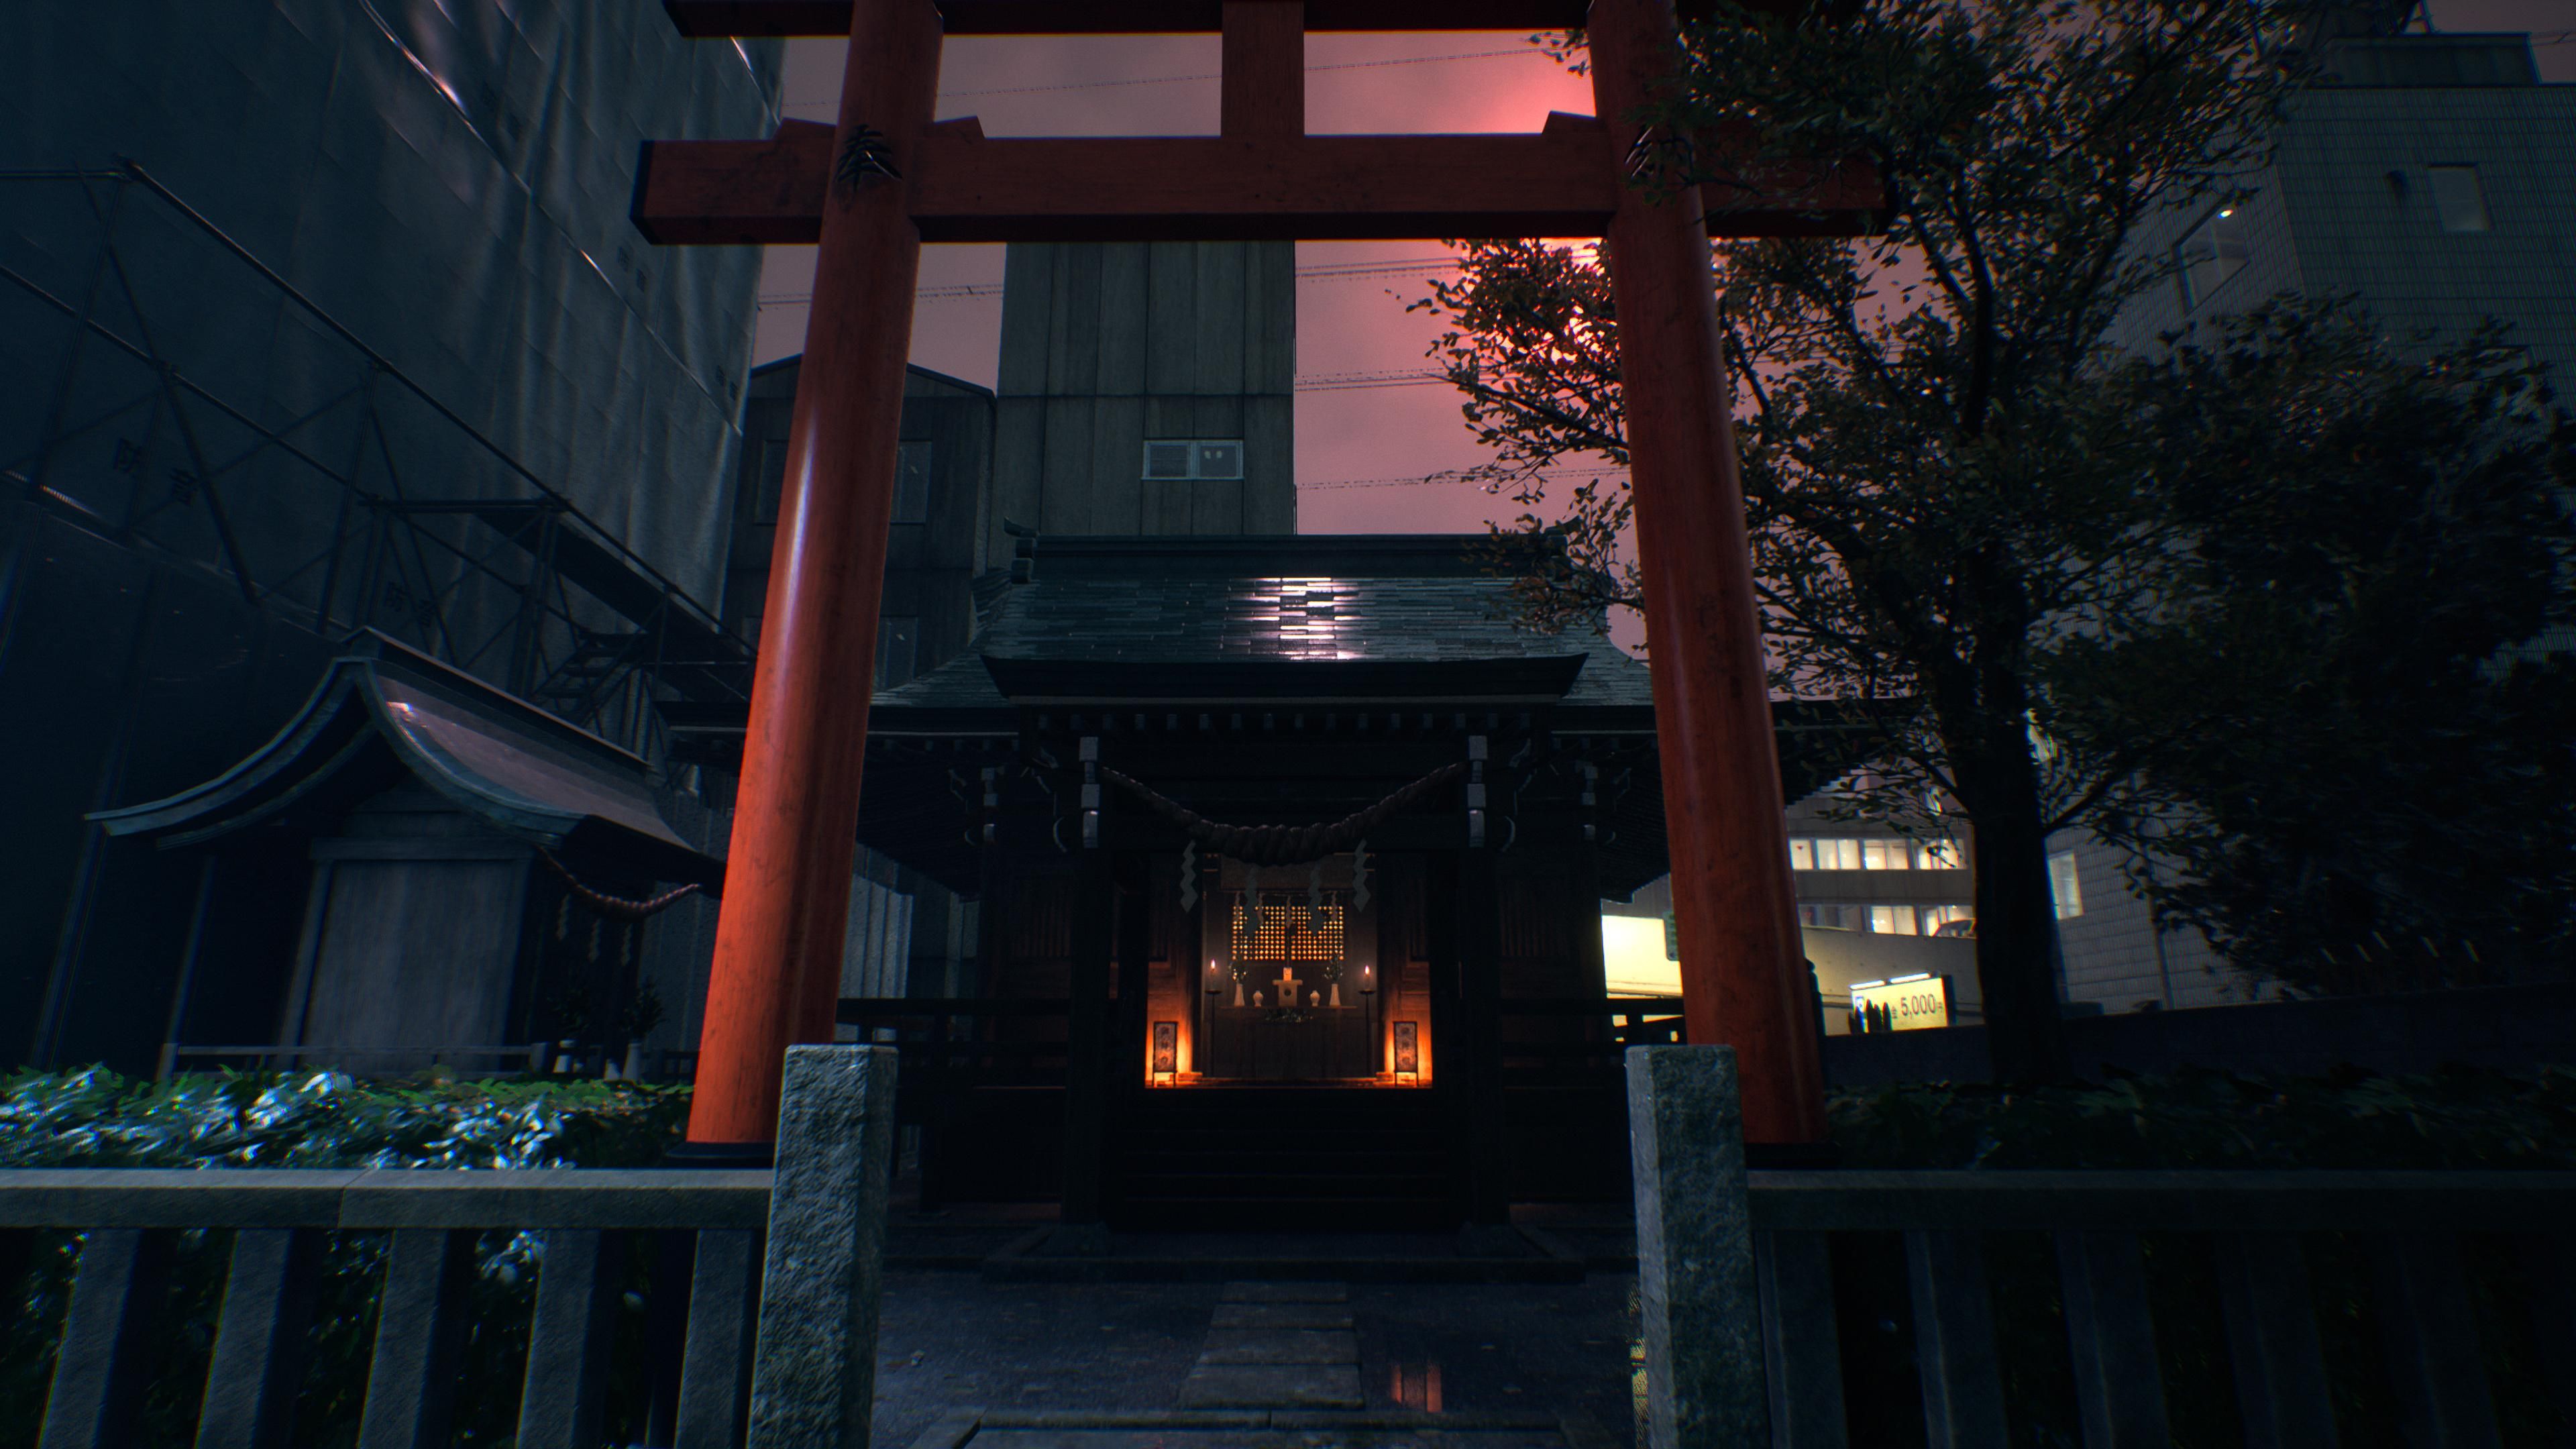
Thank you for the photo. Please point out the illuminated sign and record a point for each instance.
(1902, 1003)
(1167, 1048)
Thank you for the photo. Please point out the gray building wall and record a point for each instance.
(1107, 345)
(2347, 207)
(450, 184)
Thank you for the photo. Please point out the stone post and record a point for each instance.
(813, 1376)
(1703, 1320)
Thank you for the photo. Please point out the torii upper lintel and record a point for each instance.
(889, 177)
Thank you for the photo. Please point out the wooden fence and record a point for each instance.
(1741, 1335)
(2253, 1224)
(279, 1220)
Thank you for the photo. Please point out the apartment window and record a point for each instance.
(912, 481)
(2458, 198)
(2063, 886)
(769, 480)
(896, 651)
(1184, 459)
(1938, 855)
(2216, 250)
(1885, 855)
(1891, 920)
(1824, 854)
(1935, 917)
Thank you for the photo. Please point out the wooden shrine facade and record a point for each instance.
(1426, 803)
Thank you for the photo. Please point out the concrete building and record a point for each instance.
(320, 316)
(2432, 178)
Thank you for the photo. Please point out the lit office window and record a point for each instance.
(1884, 855)
(2458, 198)
(1891, 920)
(1935, 917)
(1938, 855)
(2063, 886)
(1836, 854)
(1802, 856)
(2216, 250)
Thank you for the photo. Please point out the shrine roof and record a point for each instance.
(1392, 617)
(384, 713)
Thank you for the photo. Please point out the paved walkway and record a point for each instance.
(1255, 1365)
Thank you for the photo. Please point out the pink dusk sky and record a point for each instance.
(1165, 85)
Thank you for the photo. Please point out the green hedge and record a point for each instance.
(95, 1118)
(2455, 1118)
(318, 1119)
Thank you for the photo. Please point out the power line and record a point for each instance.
(1159, 80)
(1321, 272)
(1356, 381)
(1453, 477)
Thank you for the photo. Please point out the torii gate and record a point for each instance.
(871, 189)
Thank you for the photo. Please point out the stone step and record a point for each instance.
(1281, 1315)
(1242, 1292)
(1280, 1346)
(1271, 1386)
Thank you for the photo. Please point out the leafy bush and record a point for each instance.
(2455, 1118)
(95, 1118)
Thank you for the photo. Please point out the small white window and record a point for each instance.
(897, 637)
(2063, 885)
(1935, 917)
(912, 481)
(1937, 855)
(1223, 459)
(1837, 855)
(1891, 920)
(1188, 458)
(2216, 250)
(1883, 855)
(1802, 855)
(2458, 198)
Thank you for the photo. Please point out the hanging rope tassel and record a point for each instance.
(617, 908)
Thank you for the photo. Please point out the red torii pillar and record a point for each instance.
(887, 178)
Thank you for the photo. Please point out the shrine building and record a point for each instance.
(1290, 853)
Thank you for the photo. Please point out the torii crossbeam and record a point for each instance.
(888, 177)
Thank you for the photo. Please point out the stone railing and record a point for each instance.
(801, 1263)
(1736, 1283)
(1739, 1305)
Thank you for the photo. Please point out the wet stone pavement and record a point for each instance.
(1234, 1366)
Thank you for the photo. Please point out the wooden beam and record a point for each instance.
(1122, 17)
(1263, 90)
(1206, 188)
(717, 18)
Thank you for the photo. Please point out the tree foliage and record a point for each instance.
(1935, 488)
(2366, 776)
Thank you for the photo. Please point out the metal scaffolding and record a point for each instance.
(184, 399)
